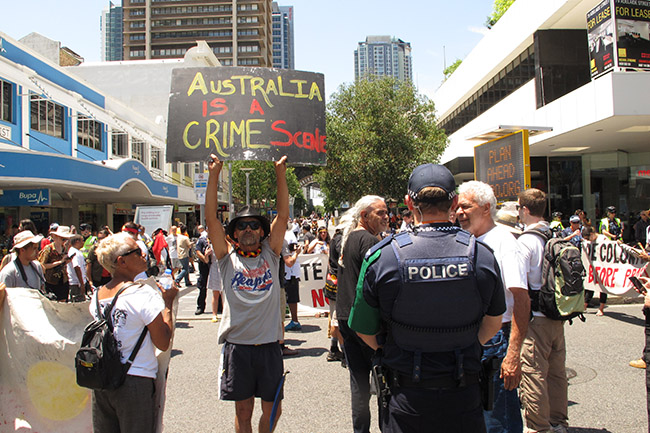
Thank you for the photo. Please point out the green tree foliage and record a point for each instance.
(377, 132)
(262, 185)
(500, 8)
(451, 69)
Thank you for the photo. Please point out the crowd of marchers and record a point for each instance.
(434, 309)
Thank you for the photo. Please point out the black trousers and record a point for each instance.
(202, 283)
(419, 410)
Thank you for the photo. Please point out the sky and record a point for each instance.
(326, 31)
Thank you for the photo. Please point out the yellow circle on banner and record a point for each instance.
(54, 391)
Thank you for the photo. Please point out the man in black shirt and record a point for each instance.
(362, 227)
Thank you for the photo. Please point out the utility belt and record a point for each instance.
(398, 380)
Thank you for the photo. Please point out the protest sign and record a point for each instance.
(312, 281)
(243, 113)
(154, 217)
(38, 342)
(609, 268)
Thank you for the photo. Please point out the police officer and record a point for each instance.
(430, 297)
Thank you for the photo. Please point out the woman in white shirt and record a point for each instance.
(130, 408)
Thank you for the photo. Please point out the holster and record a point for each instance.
(380, 381)
(489, 367)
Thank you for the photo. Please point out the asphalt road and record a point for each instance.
(605, 394)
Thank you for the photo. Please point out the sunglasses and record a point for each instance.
(134, 250)
(254, 225)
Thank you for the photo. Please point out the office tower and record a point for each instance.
(283, 52)
(383, 56)
(110, 24)
(238, 31)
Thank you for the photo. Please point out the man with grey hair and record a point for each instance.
(476, 213)
(362, 225)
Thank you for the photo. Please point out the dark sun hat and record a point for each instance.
(247, 212)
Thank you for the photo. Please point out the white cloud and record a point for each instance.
(480, 30)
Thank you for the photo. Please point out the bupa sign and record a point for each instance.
(25, 197)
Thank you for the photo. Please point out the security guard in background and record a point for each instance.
(427, 299)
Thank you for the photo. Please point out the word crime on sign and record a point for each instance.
(504, 164)
(241, 113)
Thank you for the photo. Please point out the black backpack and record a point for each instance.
(562, 295)
(98, 362)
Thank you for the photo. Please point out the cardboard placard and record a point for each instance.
(244, 113)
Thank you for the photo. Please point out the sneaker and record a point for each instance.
(335, 355)
(638, 363)
(215, 319)
(293, 326)
(559, 429)
(198, 311)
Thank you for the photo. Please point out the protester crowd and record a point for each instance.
(429, 306)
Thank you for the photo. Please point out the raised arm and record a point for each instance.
(279, 224)
(215, 228)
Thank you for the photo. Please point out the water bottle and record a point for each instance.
(166, 280)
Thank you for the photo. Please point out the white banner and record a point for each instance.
(38, 389)
(312, 281)
(609, 267)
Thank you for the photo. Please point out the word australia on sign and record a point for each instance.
(246, 113)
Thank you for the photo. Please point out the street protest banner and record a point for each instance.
(609, 268)
(38, 342)
(154, 217)
(504, 164)
(312, 281)
(244, 113)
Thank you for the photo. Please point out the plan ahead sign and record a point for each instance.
(242, 113)
(619, 34)
(504, 164)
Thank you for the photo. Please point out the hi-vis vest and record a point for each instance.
(438, 307)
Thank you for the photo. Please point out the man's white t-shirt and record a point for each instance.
(532, 253)
(77, 261)
(508, 256)
(293, 271)
(136, 308)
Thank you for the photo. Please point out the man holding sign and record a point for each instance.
(251, 327)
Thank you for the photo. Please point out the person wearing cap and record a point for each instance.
(54, 258)
(75, 268)
(544, 382)
(556, 225)
(611, 226)
(306, 236)
(573, 233)
(251, 325)
(24, 270)
(86, 230)
(428, 299)
(476, 213)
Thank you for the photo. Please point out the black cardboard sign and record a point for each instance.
(242, 113)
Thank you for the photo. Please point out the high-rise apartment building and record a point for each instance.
(238, 31)
(383, 56)
(283, 52)
(110, 24)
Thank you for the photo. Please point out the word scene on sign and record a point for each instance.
(242, 113)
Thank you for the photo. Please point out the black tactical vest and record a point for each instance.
(438, 307)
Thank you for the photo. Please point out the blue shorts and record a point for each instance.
(251, 370)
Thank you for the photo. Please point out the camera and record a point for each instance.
(293, 247)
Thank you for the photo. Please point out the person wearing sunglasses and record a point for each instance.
(251, 325)
(131, 407)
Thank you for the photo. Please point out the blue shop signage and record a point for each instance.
(25, 197)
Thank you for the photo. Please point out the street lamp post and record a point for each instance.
(247, 172)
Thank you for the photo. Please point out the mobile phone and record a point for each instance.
(638, 285)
